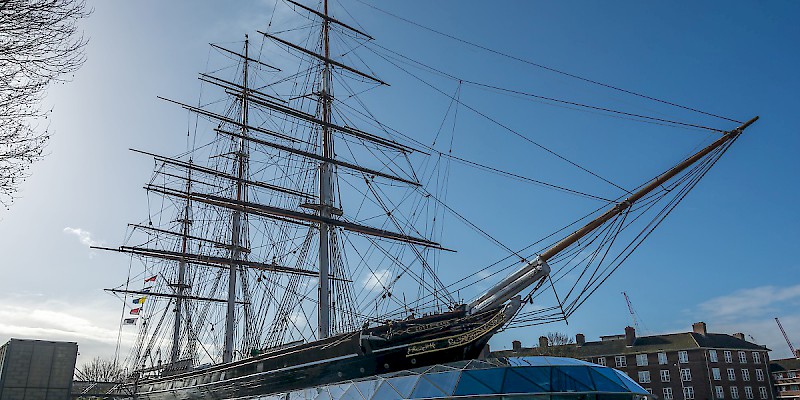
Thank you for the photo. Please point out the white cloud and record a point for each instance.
(84, 236)
(377, 280)
(752, 311)
(751, 302)
(91, 326)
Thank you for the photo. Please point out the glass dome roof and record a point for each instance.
(515, 377)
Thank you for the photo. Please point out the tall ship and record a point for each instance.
(297, 240)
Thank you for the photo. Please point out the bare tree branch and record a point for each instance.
(99, 370)
(39, 44)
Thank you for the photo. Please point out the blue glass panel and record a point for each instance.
(404, 384)
(538, 375)
(493, 378)
(351, 394)
(386, 392)
(426, 389)
(323, 394)
(632, 386)
(441, 368)
(563, 380)
(467, 385)
(515, 383)
(605, 380)
(338, 390)
(567, 361)
(445, 380)
(368, 387)
(580, 374)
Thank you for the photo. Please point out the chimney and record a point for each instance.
(630, 335)
(739, 335)
(516, 345)
(580, 339)
(542, 341)
(699, 328)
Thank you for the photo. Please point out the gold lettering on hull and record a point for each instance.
(456, 340)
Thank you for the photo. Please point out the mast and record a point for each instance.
(181, 285)
(325, 186)
(538, 269)
(236, 240)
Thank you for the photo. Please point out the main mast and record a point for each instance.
(326, 177)
(236, 239)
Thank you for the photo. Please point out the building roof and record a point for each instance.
(786, 364)
(644, 344)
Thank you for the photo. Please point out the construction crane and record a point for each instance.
(785, 337)
(630, 310)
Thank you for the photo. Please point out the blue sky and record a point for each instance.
(727, 255)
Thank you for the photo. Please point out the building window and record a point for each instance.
(719, 392)
(756, 357)
(734, 392)
(688, 392)
(601, 361)
(667, 393)
(715, 374)
(649, 390)
(745, 375)
(683, 357)
(644, 376)
(760, 375)
(641, 360)
(778, 376)
(748, 392)
(664, 375)
(791, 374)
(742, 357)
(731, 374)
(619, 361)
(712, 356)
(686, 375)
(728, 357)
(763, 392)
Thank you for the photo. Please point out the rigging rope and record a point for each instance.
(529, 62)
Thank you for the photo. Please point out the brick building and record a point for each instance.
(681, 366)
(786, 377)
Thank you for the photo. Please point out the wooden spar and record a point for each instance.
(538, 269)
(169, 295)
(322, 158)
(237, 87)
(223, 118)
(293, 216)
(200, 239)
(220, 174)
(625, 204)
(210, 261)
(244, 57)
(331, 19)
(343, 129)
(323, 58)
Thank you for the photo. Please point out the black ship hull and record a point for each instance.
(396, 346)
